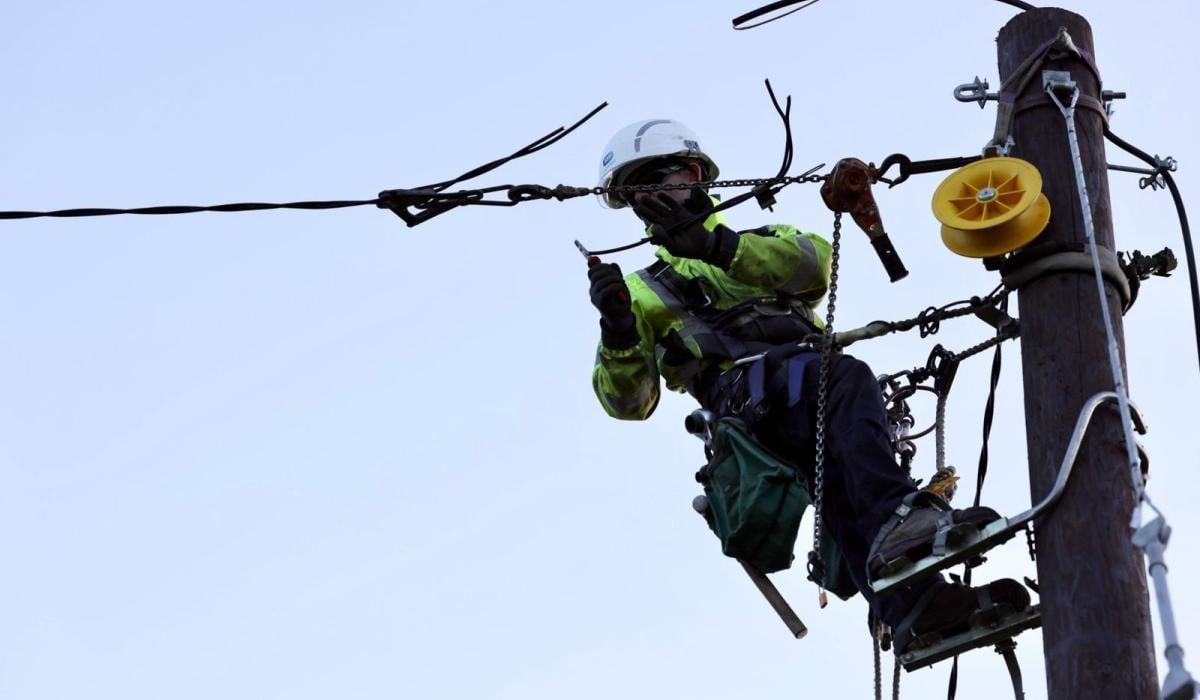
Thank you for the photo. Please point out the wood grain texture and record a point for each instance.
(1096, 618)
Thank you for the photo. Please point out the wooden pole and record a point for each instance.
(1095, 607)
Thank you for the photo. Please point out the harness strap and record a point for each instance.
(1019, 80)
(1007, 649)
(729, 335)
(689, 292)
(945, 522)
(904, 636)
(907, 505)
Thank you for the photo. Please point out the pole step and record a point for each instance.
(995, 533)
(987, 628)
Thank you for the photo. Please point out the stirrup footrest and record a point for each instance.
(971, 545)
(980, 635)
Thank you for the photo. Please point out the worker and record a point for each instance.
(717, 294)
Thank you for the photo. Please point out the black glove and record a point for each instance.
(610, 296)
(693, 240)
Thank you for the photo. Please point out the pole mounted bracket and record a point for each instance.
(975, 92)
(1061, 87)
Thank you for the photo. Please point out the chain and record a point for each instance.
(713, 184)
(816, 567)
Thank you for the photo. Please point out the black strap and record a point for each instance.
(688, 291)
(1007, 649)
(989, 411)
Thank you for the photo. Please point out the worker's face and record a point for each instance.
(666, 175)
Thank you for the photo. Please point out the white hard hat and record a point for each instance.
(645, 141)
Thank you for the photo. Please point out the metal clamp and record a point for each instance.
(1056, 81)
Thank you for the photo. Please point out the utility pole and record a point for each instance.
(1095, 608)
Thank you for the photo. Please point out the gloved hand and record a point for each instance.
(662, 212)
(610, 296)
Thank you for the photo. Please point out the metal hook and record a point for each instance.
(975, 92)
(895, 159)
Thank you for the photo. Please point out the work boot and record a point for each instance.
(948, 609)
(921, 521)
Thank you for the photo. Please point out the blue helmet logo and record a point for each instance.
(692, 146)
(608, 157)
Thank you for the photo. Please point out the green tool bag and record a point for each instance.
(755, 503)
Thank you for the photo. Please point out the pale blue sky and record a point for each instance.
(320, 454)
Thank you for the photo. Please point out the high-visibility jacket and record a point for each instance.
(771, 262)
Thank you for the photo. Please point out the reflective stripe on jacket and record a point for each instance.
(769, 261)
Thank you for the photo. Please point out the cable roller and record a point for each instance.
(991, 207)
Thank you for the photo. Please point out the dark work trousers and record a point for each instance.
(863, 484)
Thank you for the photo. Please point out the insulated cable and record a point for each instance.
(548, 140)
(242, 206)
(429, 191)
(767, 9)
(1165, 172)
(741, 20)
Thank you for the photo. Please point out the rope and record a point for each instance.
(878, 667)
(876, 645)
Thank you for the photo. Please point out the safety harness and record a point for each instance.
(724, 354)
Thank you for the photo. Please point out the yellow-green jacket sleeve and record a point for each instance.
(627, 381)
(784, 259)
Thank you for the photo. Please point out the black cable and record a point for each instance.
(618, 249)
(767, 9)
(547, 140)
(1183, 223)
(989, 411)
(785, 114)
(242, 206)
(780, 4)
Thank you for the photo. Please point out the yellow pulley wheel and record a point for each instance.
(991, 207)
